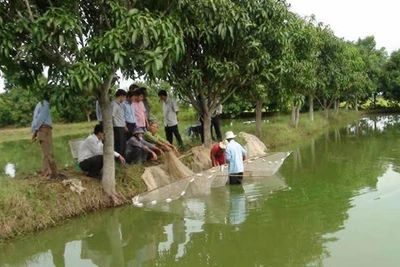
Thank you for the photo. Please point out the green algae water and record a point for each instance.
(335, 202)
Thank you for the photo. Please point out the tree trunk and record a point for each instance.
(297, 116)
(207, 129)
(356, 104)
(108, 179)
(88, 117)
(293, 116)
(326, 109)
(311, 102)
(337, 106)
(374, 100)
(259, 105)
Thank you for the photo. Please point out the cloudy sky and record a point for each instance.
(350, 19)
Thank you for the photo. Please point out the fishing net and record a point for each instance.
(253, 146)
(217, 205)
(201, 159)
(171, 170)
(201, 183)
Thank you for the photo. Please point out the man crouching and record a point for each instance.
(138, 150)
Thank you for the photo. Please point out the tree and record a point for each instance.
(226, 47)
(83, 45)
(391, 81)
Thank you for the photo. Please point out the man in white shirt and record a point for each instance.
(119, 124)
(170, 111)
(90, 156)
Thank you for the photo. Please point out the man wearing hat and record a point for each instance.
(138, 150)
(217, 153)
(235, 154)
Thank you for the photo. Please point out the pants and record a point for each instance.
(217, 127)
(119, 140)
(173, 130)
(92, 166)
(236, 178)
(136, 155)
(44, 136)
(131, 128)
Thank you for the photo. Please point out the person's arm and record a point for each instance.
(153, 155)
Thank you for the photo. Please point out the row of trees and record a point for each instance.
(255, 51)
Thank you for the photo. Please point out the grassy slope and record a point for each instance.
(30, 204)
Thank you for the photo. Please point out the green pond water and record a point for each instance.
(335, 202)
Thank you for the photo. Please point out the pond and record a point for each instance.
(334, 203)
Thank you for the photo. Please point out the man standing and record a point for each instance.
(42, 129)
(90, 156)
(118, 118)
(140, 109)
(130, 114)
(170, 111)
(98, 113)
(235, 154)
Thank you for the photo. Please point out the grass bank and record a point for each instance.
(28, 204)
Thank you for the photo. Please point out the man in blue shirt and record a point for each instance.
(235, 154)
(130, 114)
(42, 129)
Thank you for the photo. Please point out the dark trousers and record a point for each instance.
(173, 130)
(119, 140)
(92, 166)
(131, 127)
(136, 155)
(217, 127)
(236, 178)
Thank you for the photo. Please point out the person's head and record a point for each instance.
(138, 133)
(138, 95)
(162, 94)
(133, 87)
(98, 131)
(153, 127)
(129, 97)
(144, 90)
(223, 144)
(229, 135)
(120, 95)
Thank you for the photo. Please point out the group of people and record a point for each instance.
(135, 136)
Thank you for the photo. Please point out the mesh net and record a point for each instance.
(200, 184)
(253, 146)
(171, 170)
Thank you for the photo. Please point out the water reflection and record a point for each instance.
(9, 170)
(133, 237)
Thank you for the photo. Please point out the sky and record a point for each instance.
(350, 19)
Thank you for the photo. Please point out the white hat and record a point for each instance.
(229, 135)
(223, 144)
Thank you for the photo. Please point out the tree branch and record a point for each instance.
(28, 6)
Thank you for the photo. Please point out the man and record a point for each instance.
(215, 122)
(118, 118)
(130, 115)
(170, 111)
(217, 153)
(146, 103)
(153, 137)
(235, 154)
(138, 150)
(90, 155)
(140, 109)
(42, 129)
